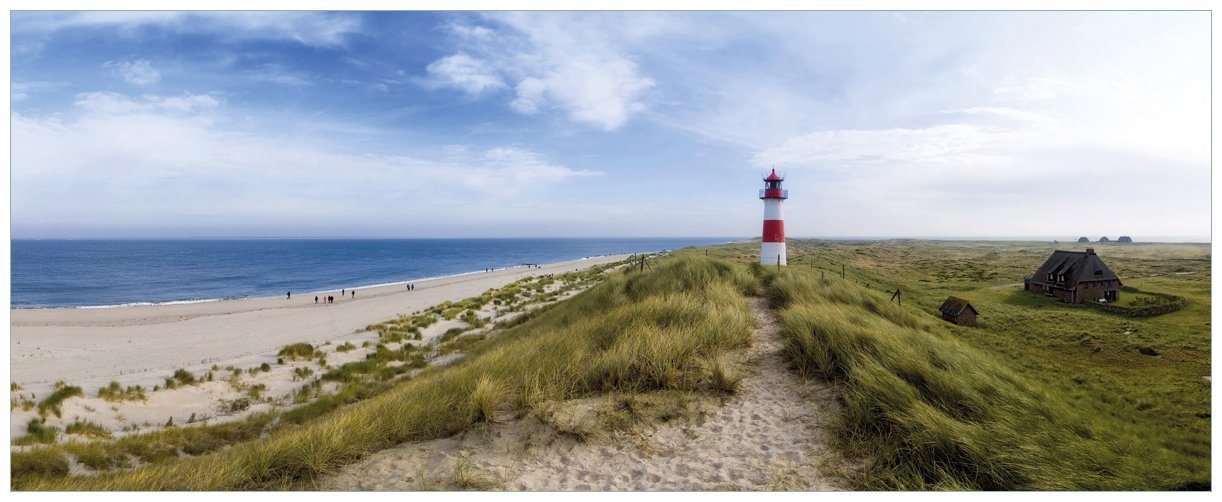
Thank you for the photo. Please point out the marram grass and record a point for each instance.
(928, 411)
(661, 329)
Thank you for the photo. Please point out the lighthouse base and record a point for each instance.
(770, 252)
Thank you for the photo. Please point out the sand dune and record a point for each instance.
(768, 436)
(142, 345)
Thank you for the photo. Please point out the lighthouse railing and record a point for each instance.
(784, 194)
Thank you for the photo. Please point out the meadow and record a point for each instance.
(1041, 395)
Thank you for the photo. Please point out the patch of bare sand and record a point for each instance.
(768, 436)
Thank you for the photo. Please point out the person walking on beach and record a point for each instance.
(354, 294)
(290, 294)
(342, 292)
(315, 299)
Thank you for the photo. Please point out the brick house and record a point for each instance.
(958, 311)
(1075, 277)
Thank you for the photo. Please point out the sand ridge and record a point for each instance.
(769, 436)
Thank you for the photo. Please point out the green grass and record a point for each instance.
(661, 330)
(53, 402)
(114, 392)
(1042, 395)
(88, 429)
(297, 351)
(38, 432)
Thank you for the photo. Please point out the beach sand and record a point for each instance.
(142, 345)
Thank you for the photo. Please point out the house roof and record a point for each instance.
(955, 305)
(1077, 266)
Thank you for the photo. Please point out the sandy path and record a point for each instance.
(768, 436)
(142, 345)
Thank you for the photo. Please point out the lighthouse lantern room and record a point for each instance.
(772, 250)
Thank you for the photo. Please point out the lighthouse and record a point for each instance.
(772, 250)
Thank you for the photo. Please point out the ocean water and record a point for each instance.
(100, 273)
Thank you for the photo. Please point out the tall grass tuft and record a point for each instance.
(58, 396)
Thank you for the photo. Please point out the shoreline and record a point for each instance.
(141, 345)
(311, 292)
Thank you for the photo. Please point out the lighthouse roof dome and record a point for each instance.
(774, 177)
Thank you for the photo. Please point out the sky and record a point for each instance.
(593, 124)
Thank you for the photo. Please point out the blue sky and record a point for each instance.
(609, 124)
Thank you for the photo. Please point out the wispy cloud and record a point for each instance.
(464, 72)
(138, 71)
(186, 158)
(19, 91)
(115, 103)
(320, 29)
(277, 74)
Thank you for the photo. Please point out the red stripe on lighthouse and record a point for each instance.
(774, 230)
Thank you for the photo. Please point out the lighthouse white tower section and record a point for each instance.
(772, 250)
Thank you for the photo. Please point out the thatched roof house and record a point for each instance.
(1075, 277)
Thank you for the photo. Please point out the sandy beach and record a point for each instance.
(142, 345)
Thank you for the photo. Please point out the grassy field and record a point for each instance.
(666, 330)
(1042, 395)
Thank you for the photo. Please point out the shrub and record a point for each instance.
(298, 351)
(88, 429)
(113, 392)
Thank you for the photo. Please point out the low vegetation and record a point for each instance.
(298, 351)
(637, 332)
(56, 398)
(114, 392)
(1041, 396)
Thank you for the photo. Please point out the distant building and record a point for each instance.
(958, 311)
(1083, 240)
(1104, 239)
(1124, 239)
(1075, 277)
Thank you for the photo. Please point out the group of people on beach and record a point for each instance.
(331, 298)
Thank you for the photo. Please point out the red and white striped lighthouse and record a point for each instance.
(772, 251)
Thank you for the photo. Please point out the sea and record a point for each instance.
(53, 273)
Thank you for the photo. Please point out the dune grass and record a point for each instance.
(930, 411)
(662, 329)
(56, 398)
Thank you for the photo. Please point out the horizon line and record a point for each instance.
(1072, 240)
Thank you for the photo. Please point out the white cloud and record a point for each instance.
(276, 74)
(139, 71)
(1006, 113)
(114, 103)
(146, 161)
(943, 143)
(574, 63)
(19, 91)
(464, 72)
(320, 29)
